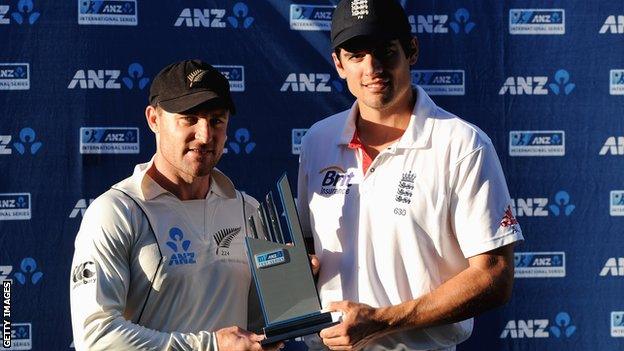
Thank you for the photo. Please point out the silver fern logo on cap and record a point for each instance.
(196, 76)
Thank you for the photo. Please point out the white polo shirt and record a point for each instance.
(151, 272)
(427, 203)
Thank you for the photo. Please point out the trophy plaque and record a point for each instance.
(282, 272)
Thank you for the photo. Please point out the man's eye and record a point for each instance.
(190, 119)
(216, 121)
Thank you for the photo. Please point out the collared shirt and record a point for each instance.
(151, 272)
(428, 202)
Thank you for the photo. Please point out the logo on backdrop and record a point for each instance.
(109, 140)
(617, 324)
(616, 82)
(538, 85)
(614, 267)
(296, 139)
(15, 206)
(239, 17)
(4, 273)
(14, 76)
(536, 21)
(108, 12)
(234, 74)
(458, 22)
(539, 207)
(613, 24)
(311, 17)
(315, 82)
(242, 143)
(181, 248)
(26, 144)
(536, 143)
(223, 239)
(562, 328)
(23, 14)
(21, 336)
(440, 82)
(616, 203)
(539, 264)
(29, 273)
(80, 208)
(614, 145)
(109, 78)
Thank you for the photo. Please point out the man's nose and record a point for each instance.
(373, 65)
(203, 130)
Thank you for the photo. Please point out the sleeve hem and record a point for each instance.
(492, 244)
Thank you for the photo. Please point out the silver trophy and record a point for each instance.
(282, 273)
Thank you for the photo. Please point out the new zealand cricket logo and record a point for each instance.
(406, 186)
(223, 239)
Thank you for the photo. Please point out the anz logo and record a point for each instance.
(613, 24)
(459, 23)
(314, 82)
(538, 85)
(215, 18)
(109, 78)
(539, 207)
(181, 248)
(539, 328)
(613, 267)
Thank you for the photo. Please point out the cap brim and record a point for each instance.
(372, 30)
(187, 102)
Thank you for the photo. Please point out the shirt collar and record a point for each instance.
(220, 184)
(418, 130)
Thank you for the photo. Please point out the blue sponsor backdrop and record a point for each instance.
(544, 79)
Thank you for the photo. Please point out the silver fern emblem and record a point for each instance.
(196, 76)
(224, 237)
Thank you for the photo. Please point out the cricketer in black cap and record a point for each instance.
(405, 262)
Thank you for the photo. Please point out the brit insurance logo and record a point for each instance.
(296, 138)
(27, 143)
(614, 24)
(14, 76)
(311, 17)
(562, 328)
(539, 264)
(238, 17)
(21, 336)
(458, 22)
(23, 14)
(15, 206)
(536, 143)
(182, 254)
(561, 206)
(133, 78)
(234, 74)
(614, 145)
(108, 12)
(616, 203)
(538, 85)
(617, 324)
(336, 180)
(613, 267)
(440, 82)
(311, 82)
(109, 140)
(616, 82)
(537, 21)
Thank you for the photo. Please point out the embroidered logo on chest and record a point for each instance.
(405, 188)
(223, 238)
(181, 248)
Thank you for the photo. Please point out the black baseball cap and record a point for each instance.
(378, 19)
(183, 85)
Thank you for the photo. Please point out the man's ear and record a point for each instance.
(338, 65)
(414, 50)
(151, 115)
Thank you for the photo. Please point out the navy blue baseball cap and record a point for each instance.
(378, 19)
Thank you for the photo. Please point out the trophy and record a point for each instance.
(282, 272)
